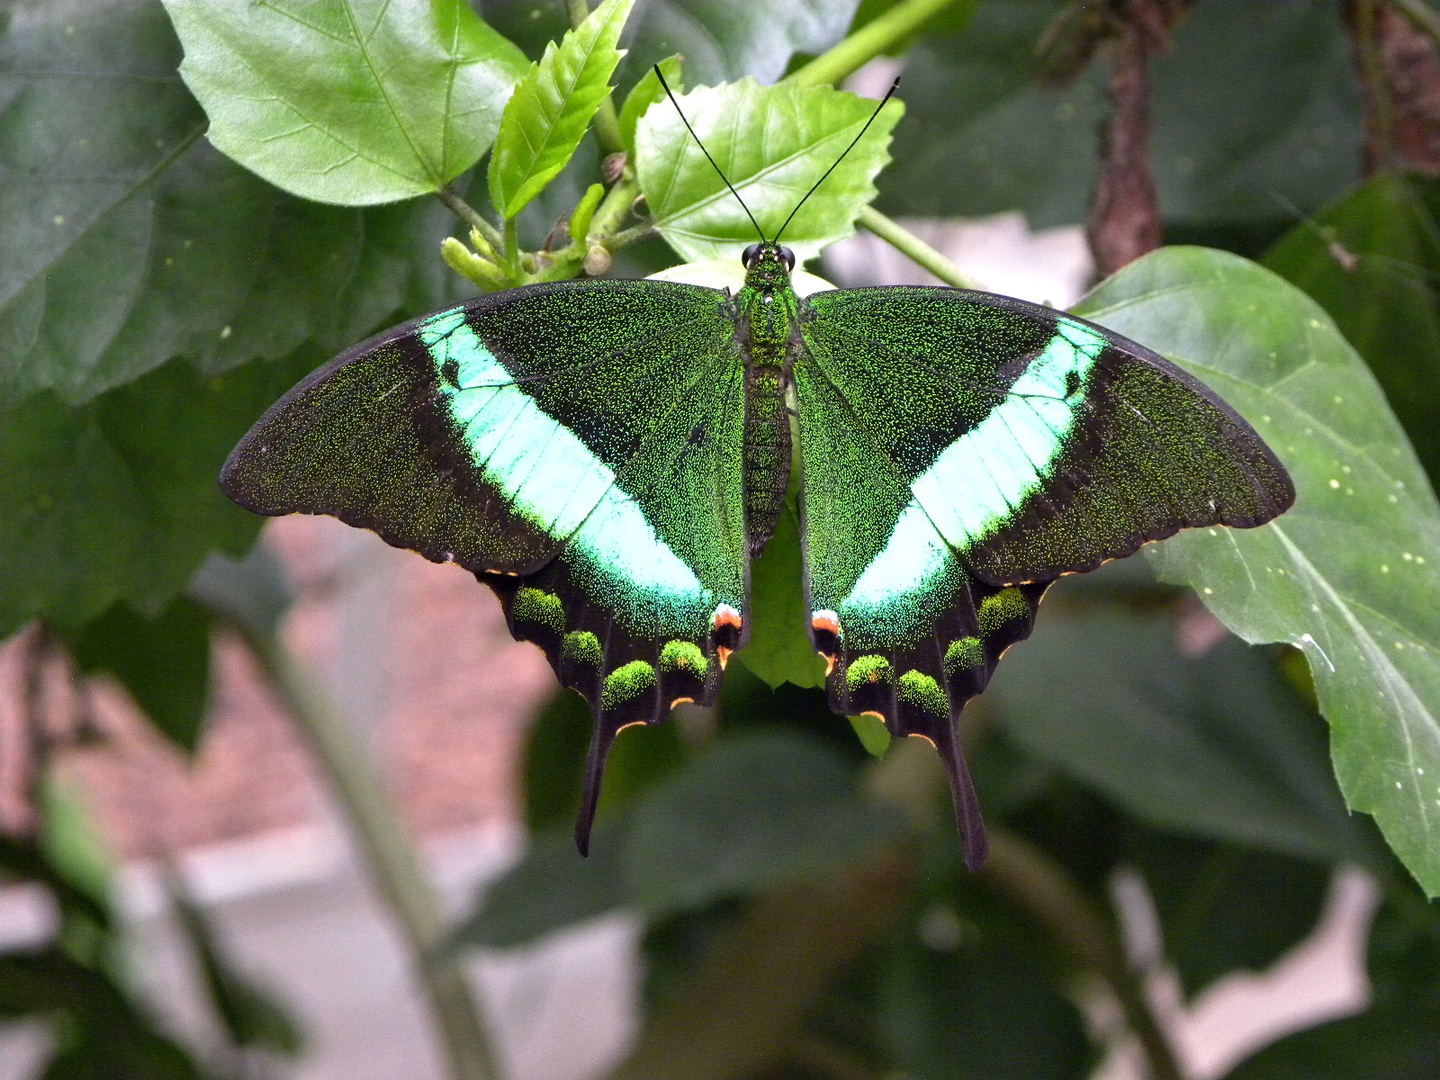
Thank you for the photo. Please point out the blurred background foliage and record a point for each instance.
(806, 911)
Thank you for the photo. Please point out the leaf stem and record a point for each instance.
(388, 851)
(605, 225)
(606, 124)
(872, 39)
(1040, 885)
(907, 243)
(472, 217)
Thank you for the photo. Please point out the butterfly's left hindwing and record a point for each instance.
(577, 445)
(962, 450)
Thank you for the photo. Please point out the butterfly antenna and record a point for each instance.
(661, 76)
(888, 94)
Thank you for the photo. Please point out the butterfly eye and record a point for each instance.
(748, 257)
(789, 257)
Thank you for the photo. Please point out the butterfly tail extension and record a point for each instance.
(921, 688)
(625, 678)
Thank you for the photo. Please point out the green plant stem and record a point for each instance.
(870, 41)
(472, 217)
(605, 224)
(1040, 885)
(510, 246)
(389, 853)
(907, 243)
(1425, 18)
(606, 124)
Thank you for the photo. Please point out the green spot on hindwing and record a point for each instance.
(538, 606)
(581, 647)
(867, 669)
(683, 656)
(923, 692)
(964, 654)
(1001, 608)
(626, 683)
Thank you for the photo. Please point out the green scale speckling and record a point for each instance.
(609, 455)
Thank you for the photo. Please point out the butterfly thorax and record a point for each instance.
(767, 330)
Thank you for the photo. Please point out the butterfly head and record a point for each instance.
(767, 266)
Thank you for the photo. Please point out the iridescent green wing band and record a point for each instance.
(995, 445)
(576, 445)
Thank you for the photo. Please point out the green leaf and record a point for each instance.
(354, 102)
(645, 93)
(1218, 746)
(976, 1002)
(1372, 261)
(1224, 907)
(165, 251)
(872, 733)
(755, 810)
(164, 662)
(117, 499)
(1350, 574)
(780, 649)
(552, 106)
(1254, 110)
(805, 129)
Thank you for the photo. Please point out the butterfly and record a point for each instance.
(609, 456)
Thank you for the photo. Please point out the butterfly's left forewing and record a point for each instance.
(961, 451)
(577, 445)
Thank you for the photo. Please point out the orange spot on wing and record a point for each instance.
(826, 622)
(682, 701)
(724, 655)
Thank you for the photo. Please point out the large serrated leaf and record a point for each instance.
(354, 102)
(551, 107)
(773, 143)
(1351, 574)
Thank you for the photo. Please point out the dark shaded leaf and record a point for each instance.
(755, 810)
(551, 888)
(1254, 110)
(729, 41)
(117, 499)
(1224, 907)
(164, 662)
(973, 1006)
(1217, 746)
(1372, 261)
(163, 250)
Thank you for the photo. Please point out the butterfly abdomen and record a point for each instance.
(768, 336)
